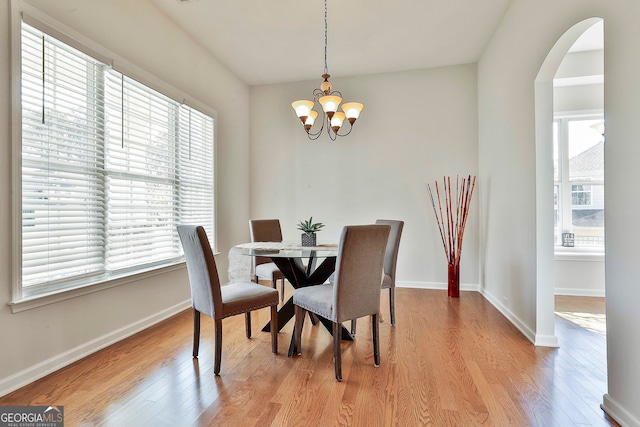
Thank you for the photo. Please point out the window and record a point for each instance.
(580, 195)
(579, 179)
(109, 168)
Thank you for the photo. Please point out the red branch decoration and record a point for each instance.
(452, 221)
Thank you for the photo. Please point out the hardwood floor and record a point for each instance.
(447, 362)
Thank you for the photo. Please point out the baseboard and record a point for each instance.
(35, 372)
(546, 341)
(515, 320)
(618, 413)
(436, 285)
(580, 292)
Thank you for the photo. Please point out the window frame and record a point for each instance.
(565, 187)
(21, 11)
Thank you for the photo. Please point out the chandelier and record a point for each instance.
(329, 100)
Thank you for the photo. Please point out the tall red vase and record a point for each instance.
(454, 280)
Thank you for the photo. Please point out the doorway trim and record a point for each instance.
(543, 99)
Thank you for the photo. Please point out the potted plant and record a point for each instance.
(309, 229)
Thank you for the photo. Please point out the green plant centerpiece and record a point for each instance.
(309, 229)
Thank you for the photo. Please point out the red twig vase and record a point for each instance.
(454, 280)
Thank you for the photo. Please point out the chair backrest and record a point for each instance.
(359, 269)
(264, 230)
(391, 253)
(203, 273)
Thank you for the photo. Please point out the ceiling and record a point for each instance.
(279, 41)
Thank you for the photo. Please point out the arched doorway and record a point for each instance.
(545, 218)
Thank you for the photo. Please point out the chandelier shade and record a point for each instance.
(329, 101)
(309, 121)
(330, 104)
(352, 110)
(302, 108)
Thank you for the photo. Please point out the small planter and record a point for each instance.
(308, 239)
(309, 229)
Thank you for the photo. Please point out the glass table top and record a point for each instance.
(286, 250)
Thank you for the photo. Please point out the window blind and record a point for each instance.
(109, 168)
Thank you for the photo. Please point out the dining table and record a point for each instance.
(302, 266)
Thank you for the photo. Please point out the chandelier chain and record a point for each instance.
(326, 69)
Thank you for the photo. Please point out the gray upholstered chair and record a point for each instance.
(355, 291)
(266, 230)
(217, 301)
(390, 261)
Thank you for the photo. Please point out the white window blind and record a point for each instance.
(109, 168)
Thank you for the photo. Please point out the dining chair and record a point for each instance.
(355, 291)
(390, 261)
(219, 302)
(266, 230)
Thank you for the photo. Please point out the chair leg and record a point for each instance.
(297, 328)
(314, 318)
(392, 304)
(337, 356)
(274, 329)
(353, 326)
(196, 332)
(375, 327)
(247, 323)
(218, 344)
(282, 291)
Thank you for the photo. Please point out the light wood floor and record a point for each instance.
(447, 362)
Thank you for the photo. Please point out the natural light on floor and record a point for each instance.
(595, 322)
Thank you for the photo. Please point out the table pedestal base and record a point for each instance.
(300, 276)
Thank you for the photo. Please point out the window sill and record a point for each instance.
(583, 255)
(34, 301)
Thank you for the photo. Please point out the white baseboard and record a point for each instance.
(546, 341)
(526, 331)
(618, 413)
(580, 292)
(35, 372)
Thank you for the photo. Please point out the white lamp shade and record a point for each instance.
(352, 109)
(330, 103)
(337, 120)
(311, 118)
(302, 107)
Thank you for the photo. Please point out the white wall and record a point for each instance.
(506, 75)
(416, 127)
(579, 275)
(583, 96)
(38, 340)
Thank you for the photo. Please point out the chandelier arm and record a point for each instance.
(345, 134)
(332, 135)
(314, 136)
